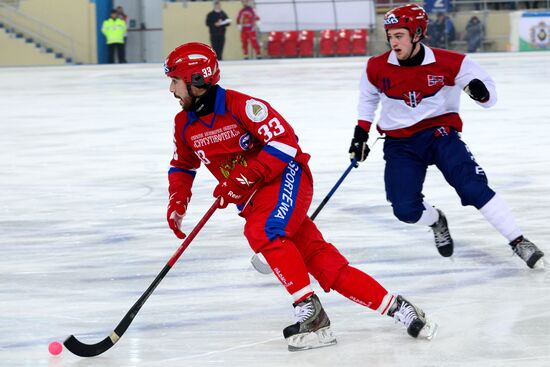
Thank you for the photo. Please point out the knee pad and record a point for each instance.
(328, 277)
(325, 266)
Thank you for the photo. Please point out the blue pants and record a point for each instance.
(407, 160)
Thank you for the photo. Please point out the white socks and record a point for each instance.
(497, 212)
(429, 215)
(301, 293)
(385, 305)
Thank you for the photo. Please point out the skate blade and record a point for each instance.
(318, 339)
(429, 330)
(539, 264)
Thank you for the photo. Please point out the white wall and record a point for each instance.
(284, 15)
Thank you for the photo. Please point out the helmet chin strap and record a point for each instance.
(190, 92)
(414, 47)
(412, 50)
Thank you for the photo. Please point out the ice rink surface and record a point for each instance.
(84, 153)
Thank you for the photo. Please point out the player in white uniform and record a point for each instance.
(419, 90)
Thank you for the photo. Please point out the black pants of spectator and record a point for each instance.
(217, 44)
(120, 50)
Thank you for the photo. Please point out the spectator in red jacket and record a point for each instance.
(247, 21)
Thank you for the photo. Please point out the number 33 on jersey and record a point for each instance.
(241, 128)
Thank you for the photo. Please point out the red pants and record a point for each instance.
(246, 36)
(277, 226)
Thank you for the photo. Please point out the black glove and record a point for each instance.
(477, 91)
(359, 149)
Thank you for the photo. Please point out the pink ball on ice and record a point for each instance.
(55, 348)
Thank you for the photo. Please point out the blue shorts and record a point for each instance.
(407, 160)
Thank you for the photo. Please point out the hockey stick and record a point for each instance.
(352, 165)
(89, 350)
(261, 266)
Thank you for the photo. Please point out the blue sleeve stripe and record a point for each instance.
(277, 153)
(175, 169)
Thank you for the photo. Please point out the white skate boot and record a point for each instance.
(312, 327)
(418, 325)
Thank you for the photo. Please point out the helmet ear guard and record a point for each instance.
(198, 81)
(419, 32)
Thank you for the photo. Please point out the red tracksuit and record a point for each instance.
(247, 20)
(247, 131)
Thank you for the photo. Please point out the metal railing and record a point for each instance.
(477, 4)
(47, 36)
(457, 5)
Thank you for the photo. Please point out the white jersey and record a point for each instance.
(414, 98)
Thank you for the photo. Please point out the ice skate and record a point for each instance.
(418, 325)
(529, 252)
(442, 236)
(312, 327)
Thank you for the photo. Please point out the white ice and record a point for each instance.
(84, 153)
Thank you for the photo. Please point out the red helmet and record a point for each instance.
(195, 63)
(411, 16)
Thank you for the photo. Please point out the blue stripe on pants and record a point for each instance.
(288, 191)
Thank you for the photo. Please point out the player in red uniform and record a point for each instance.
(419, 89)
(254, 154)
(246, 20)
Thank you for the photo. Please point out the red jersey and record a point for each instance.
(247, 18)
(415, 98)
(241, 130)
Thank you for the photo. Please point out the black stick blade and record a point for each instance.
(75, 346)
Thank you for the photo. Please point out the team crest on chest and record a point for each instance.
(227, 166)
(256, 110)
(436, 80)
(412, 98)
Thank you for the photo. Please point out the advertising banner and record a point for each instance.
(534, 31)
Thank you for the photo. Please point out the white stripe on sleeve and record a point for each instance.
(287, 149)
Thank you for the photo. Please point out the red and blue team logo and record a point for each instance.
(436, 80)
(412, 98)
(245, 141)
